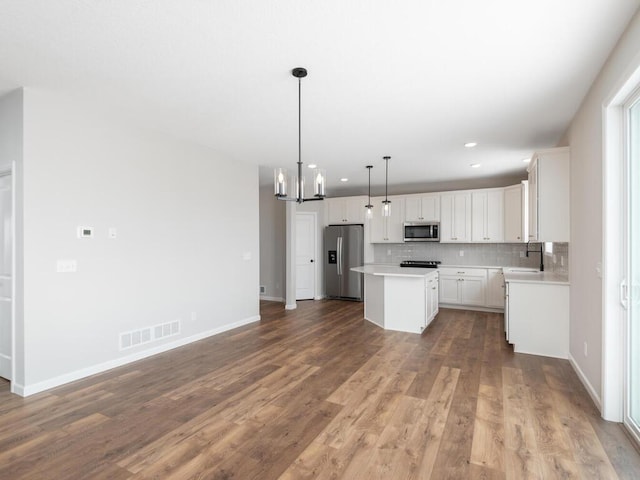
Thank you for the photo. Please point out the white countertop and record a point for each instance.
(394, 271)
(536, 277)
(525, 275)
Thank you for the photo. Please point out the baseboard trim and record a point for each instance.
(290, 306)
(474, 308)
(272, 299)
(318, 297)
(587, 384)
(27, 390)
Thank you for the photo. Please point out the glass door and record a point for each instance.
(631, 291)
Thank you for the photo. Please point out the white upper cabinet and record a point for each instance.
(487, 220)
(515, 213)
(387, 229)
(549, 196)
(345, 210)
(455, 217)
(422, 208)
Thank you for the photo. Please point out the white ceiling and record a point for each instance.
(412, 79)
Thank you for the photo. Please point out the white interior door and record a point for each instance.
(6, 294)
(305, 255)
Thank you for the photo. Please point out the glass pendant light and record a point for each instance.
(280, 174)
(386, 203)
(369, 207)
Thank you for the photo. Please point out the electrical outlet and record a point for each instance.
(113, 233)
(522, 254)
(585, 349)
(66, 266)
(555, 259)
(388, 251)
(462, 253)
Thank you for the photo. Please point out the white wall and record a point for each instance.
(185, 218)
(272, 244)
(585, 137)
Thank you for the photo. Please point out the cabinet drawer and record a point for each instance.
(466, 271)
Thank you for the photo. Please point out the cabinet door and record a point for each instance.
(513, 214)
(354, 209)
(377, 223)
(487, 216)
(449, 289)
(495, 288)
(335, 209)
(432, 293)
(495, 216)
(430, 208)
(413, 209)
(455, 217)
(533, 200)
(472, 291)
(479, 216)
(395, 223)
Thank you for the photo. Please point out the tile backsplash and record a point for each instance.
(489, 254)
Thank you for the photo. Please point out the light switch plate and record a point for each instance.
(113, 232)
(66, 265)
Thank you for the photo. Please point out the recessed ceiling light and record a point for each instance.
(344, 179)
(526, 160)
(312, 165)
(475, 165)
(470, 144)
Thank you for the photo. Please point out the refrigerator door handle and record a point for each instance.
(339, 255)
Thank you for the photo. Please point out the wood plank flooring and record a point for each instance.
(319, 393)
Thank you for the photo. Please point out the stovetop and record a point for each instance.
(420, 263)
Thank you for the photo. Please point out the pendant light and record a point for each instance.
(368, 206)
(280, 174)
(386, 203)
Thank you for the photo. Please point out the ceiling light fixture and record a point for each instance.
(368, 206)
(475, 165)
(344, 179)
(470, 144)
(280, 174)
(386, 203)
(526, 160)
(312, 165)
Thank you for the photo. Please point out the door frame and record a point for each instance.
(314, 218)
(630, 424)
(614, 212)
(3, 173)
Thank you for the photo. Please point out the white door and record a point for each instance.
(6, 294)
(305, 255)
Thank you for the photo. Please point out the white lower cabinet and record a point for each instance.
(431, 297)
(495, 288)
(463, 286)
(535, 326)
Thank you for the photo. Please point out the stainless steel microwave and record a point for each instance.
(422, 232)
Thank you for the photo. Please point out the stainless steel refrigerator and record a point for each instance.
(343, 249)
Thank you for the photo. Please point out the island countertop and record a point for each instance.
(393, 270)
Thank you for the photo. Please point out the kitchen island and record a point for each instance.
(397, 298)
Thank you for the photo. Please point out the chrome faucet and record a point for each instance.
(537, 251)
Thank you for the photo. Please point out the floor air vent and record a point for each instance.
(149, 334)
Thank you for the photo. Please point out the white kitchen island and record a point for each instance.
(400, 298)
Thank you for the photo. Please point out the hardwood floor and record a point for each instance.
(319, 393)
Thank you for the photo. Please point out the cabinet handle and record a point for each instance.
(461, 273)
